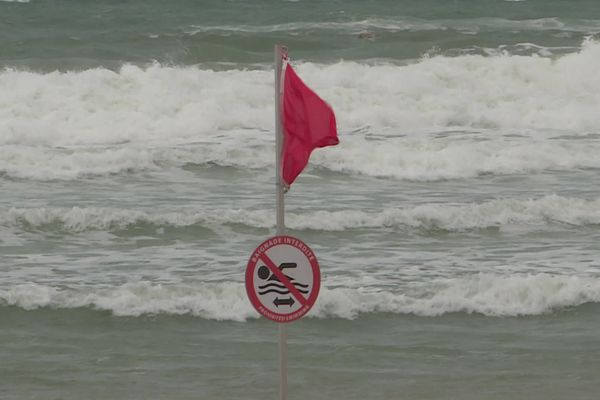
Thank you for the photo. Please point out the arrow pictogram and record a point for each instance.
(285, 301)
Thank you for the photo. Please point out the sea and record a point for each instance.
(456, 225)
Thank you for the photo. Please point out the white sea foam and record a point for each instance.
(416, 159)
(484, 294)
(133, 105)
(223, 301)
(433, 160)
(501, 92)
(550, 209)
(438, 118)
(408, 24)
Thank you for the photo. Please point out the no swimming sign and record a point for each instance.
(283, 278)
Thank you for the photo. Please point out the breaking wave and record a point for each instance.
(437, 118)
(399, 24)
(546, 210)
(485, 294)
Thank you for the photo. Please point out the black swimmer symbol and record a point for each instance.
(273, 284)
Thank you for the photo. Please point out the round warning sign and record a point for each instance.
(283, 278)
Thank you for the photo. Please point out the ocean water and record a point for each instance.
(457, 224)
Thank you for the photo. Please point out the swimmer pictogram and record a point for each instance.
(275, 286)
(283, 278)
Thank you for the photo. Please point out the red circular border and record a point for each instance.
(259, 306)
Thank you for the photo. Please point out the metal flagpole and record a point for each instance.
(279, 53)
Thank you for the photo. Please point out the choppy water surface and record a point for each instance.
(456, 223)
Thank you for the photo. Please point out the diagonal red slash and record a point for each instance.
(283, 279)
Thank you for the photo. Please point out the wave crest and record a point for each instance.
(546, 210)
(485, 294)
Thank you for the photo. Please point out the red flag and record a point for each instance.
(308, 123)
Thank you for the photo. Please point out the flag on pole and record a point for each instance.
(308, 123)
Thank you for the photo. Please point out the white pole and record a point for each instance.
(279, 51)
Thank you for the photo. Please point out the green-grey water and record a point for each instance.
(403, 357)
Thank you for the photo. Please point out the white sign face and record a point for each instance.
(283, 278)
